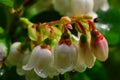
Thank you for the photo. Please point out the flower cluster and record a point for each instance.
(70, 7)
(54, 50)
(73, 7)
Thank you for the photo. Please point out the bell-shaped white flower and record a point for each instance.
(16, 55)
(41, 60)
(101, 4)
(99, 45)
(85, 51)
(65, 57)
(73, 7)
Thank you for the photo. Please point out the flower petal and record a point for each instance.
(34, 58)
(65, 57)
(101, 4)
(99, 45)
(80, 66)
(15, 56)
(87, 56)
(73, 7)
(40, 72)
(105, 6)
(101, 50)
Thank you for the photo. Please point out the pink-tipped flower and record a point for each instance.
(99, 45)
(41, 61)
(85, 51)
(65, 56)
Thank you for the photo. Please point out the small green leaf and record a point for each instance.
(32, 33)
(1, 30)
(8, 3)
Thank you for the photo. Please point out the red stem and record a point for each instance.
(91, 25)
(81, 26)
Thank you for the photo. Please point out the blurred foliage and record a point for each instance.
(108, 70)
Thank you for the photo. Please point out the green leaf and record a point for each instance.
(1, 30)
(8, 3)
(32, 33)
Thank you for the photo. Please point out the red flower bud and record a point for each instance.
(99, 45)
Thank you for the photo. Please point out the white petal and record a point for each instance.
(87, 56)
(20, 71)
(15, 56)
(45, 58)
(82, 6)
(80, 66)
(64, 9)
(105, 6)
(101, 4)
(65, 57)
(73, 7)
(34, 58)
(43, 68)
(40, 72)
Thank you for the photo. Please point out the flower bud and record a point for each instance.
(65, 57)
(99, 45)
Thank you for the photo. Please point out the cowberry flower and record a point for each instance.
(41, 60)
(16, 57)
(73, 7)
(101, 4)
(65, 54)
(85, 51)
(99, 45)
